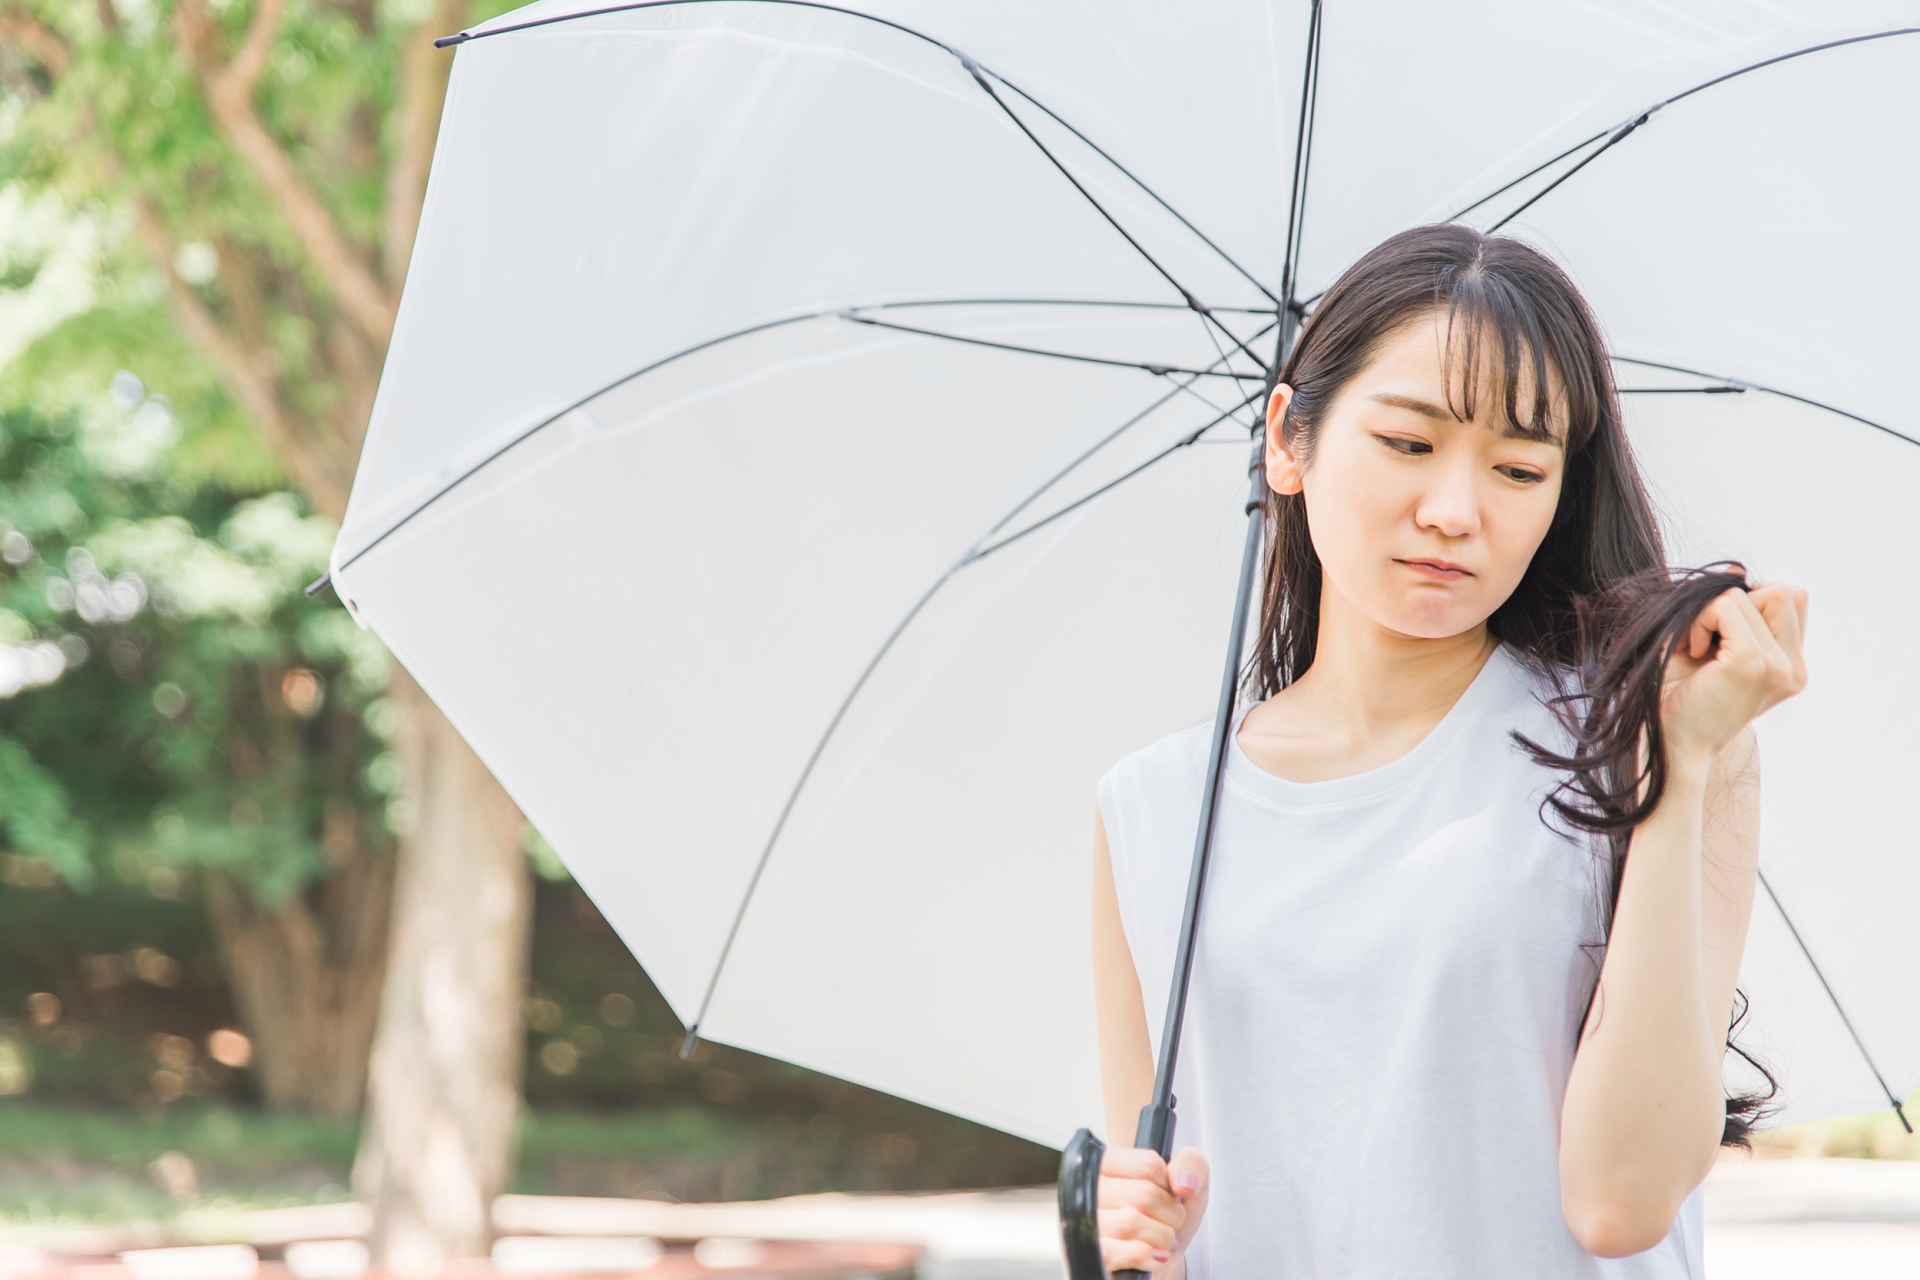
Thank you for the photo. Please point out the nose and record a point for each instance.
(1451, 504)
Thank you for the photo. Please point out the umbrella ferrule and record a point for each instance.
(1157, 1123)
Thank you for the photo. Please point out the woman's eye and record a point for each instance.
(1522, 474)
(1401, 445)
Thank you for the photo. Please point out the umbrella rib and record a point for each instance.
(1619, 135)
(1191, 438)
(750, 330)
(541, 425)
(1159, 370)
(973, 554)
(1707, 84)
(1624, 131)
(1094, 448)
(1053, 302)
(1741, 383)
(1302, 153)
(1543, 165)
(1155, 196)
(466, 34)
(1724, 389)
(979, 75)
(1838, 1008)
(793, 798)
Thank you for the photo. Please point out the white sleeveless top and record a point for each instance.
(1387, 988)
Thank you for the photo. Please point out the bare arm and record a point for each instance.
(1149, 1207)
(1126, 1051)
(1645, 1103)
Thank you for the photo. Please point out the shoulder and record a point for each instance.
(1168, 762)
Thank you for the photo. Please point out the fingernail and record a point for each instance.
(1161, 1255)
(1187, 1181)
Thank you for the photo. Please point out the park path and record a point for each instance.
(1767, 1219)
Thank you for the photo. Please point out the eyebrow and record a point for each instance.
(1421, 407)
(1429, 410)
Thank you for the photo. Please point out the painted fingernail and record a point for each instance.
(1187, 1181)
(1161, 1255)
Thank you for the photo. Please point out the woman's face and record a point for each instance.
(1424, 523)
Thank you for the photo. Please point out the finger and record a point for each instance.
(1136, 1162)
(1774, 650)
(1784, 609)
(1706, 625)
(1131, 1255)
(1188, 1173)
(1744, 637)
(1132, 1195)
(1131, 1224)
(1700, 633)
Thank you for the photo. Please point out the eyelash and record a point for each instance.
(1420, 448)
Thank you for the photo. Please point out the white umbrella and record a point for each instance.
(813, 444)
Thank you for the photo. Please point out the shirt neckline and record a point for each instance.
(1249, 778)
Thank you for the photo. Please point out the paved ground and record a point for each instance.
(1814, 1219)
(1818, 1219)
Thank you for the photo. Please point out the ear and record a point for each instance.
(1284, 473)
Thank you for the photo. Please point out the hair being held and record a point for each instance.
(1598, 611)
(1617, 767)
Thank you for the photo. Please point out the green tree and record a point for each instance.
(200, 729)
(267, 160)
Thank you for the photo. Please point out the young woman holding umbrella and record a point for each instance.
(1486, 846)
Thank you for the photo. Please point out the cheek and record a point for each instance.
(1354, 508)
(1515, 530)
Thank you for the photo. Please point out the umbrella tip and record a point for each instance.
(458, 37)
(693, 1038)
(318, 585)
(1902, 1113)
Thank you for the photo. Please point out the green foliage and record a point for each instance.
(126, 115)
(201, 712)
(34, 810)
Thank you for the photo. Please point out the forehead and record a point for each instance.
(1459, 373)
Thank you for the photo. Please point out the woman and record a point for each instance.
(1487, 847)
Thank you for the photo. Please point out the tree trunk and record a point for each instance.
(306, 974)
(444, 1079)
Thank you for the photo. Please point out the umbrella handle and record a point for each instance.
(1079, 1210)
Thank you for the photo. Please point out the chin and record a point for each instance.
(1425, 624)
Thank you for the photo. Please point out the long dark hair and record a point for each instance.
(1598, 611)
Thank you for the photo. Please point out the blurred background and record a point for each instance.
(211, 787)
(206, 789)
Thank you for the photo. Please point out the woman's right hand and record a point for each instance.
(1150, 1209)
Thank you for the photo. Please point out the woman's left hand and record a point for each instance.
(1714, 689)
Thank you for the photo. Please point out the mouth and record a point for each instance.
(1438, 570)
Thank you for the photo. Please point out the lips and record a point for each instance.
(1438, 570)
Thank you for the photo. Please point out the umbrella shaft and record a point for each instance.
(1157, 1117)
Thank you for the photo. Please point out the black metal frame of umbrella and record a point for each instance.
(1080, 1166)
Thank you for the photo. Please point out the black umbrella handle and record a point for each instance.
(1080, 1193)
(1080, 1208)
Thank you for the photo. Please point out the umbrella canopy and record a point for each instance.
(862, 393)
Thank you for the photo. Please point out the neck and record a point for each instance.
(1375, 680)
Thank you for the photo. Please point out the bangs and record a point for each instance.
(1530, 356)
